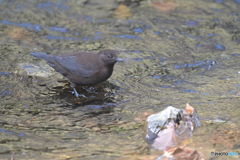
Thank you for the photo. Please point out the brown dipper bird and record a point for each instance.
(82, 68)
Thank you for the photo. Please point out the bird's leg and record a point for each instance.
(76, 93)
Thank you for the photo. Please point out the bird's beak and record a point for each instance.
(120, 59)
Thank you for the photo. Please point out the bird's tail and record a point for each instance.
(40, 55)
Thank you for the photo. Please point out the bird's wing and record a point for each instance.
(70, 64)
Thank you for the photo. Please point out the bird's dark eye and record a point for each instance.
(109, 56)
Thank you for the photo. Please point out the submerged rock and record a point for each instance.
(41, 74)
(41, 70)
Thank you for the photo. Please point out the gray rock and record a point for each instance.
(156, 122)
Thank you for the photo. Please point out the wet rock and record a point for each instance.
(156, 122)
(41, 70)
(41, 74)
(165, 127)
(187, 125)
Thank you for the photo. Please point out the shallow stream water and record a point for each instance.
(189, 54)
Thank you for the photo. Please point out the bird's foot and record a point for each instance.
(76, 93)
